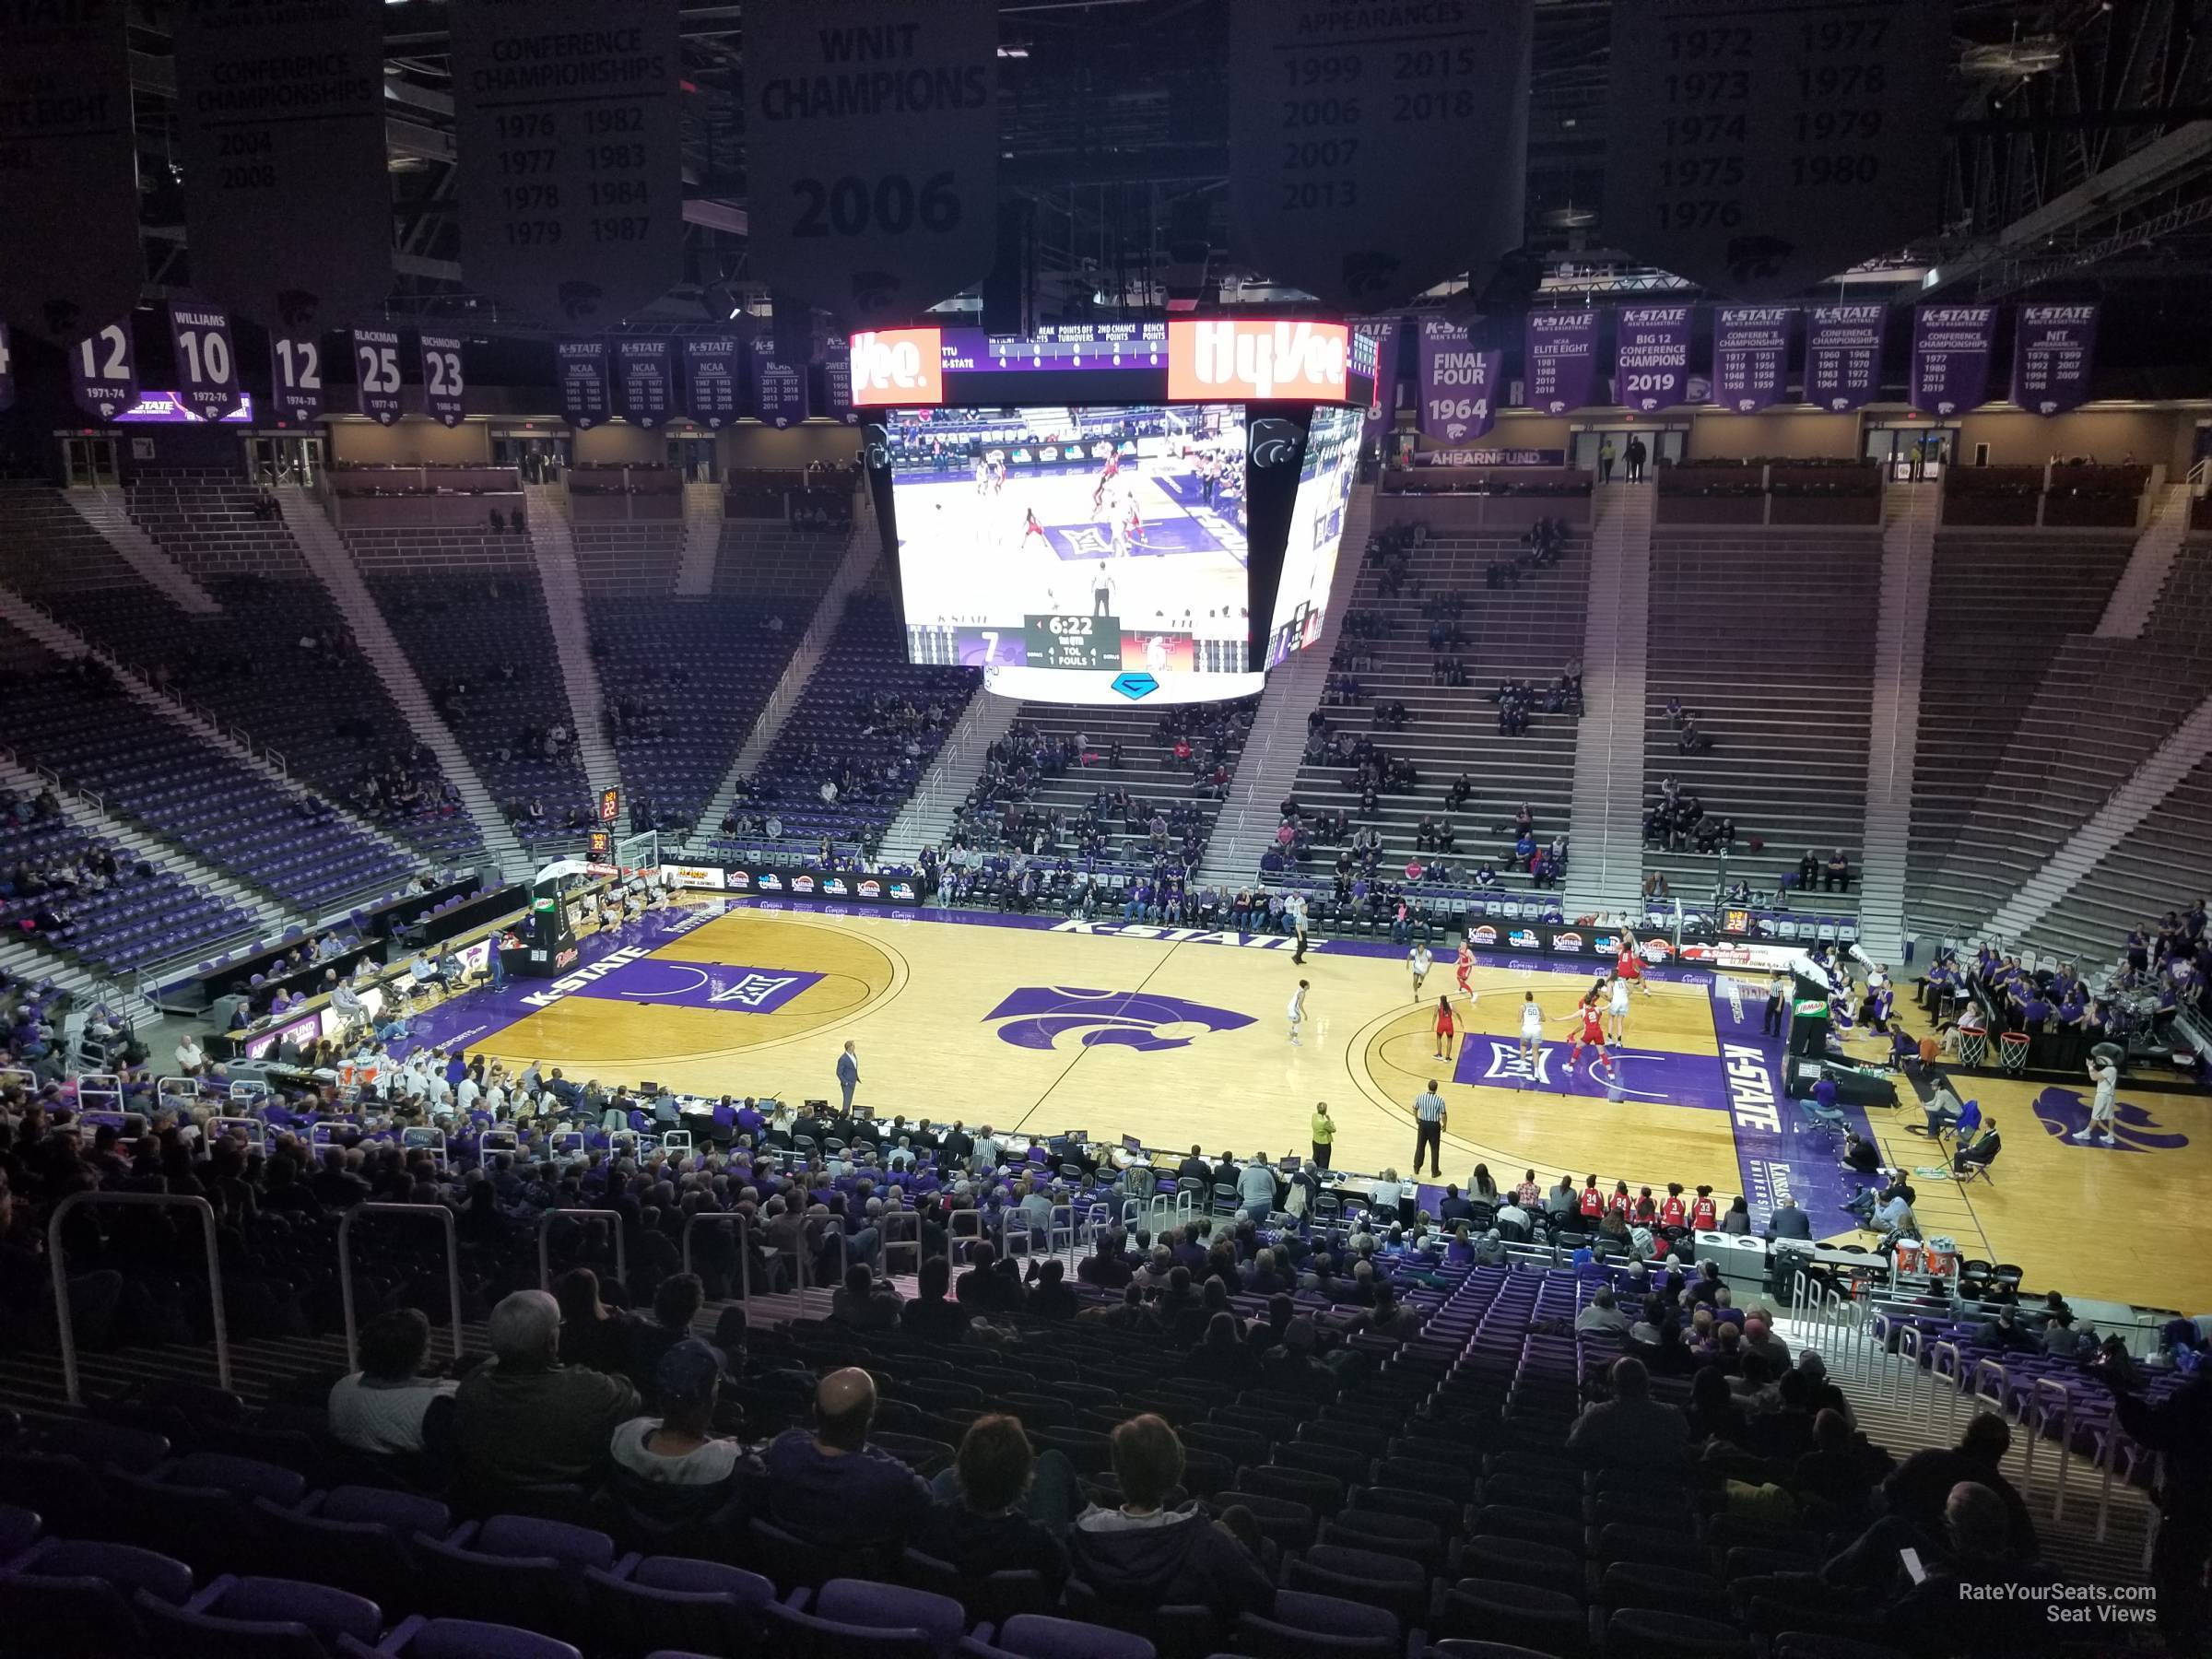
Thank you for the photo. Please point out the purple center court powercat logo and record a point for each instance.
(2063, 1113)
(1037, 1017)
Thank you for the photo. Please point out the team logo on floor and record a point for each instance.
(666, 983)
(1037, 1017)
(2063, 1113)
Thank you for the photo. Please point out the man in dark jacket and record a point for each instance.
(525, 1418)
(2181, 1427)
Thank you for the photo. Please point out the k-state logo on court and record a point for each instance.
(1037, 1017)
(2064, 1112)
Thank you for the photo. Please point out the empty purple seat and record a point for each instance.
(73, 1600)
(808, 1637)
(892, 1607)
(1035, 1636)
(260, 1618)
(460, 1639)
(672, 1600)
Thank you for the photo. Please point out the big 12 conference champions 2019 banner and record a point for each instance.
(871, 131)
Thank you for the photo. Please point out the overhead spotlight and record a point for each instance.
(2015, 59)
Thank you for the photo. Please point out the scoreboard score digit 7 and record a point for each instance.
(1074, 641)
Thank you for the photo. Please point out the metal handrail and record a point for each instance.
(164, 1090)
(2036, 1415)
(65, 1320)
(1957, 1380)
(545, 1247)
(744, 1246)
(884, 1224)
(108, 1086)
(833, 1228)
(453, 1267)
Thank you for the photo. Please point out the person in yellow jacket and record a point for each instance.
(1325, 1134)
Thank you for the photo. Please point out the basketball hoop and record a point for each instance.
(2012, 1052)
(1973, 1048)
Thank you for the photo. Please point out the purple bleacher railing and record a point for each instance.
(64, 1319)
(544, 1248)
(453, 1267)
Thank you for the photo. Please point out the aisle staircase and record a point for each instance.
(1604, 861)
(107, 511)
(2148, 566)
(333, 563)
(545, 506)
(1909, 513)
(926, 819)
(702, 541)
(1267, 771)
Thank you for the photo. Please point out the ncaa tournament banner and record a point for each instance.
(581, 366)
(103, 371)
(1559, 353)
(1651, 355)
(641, 371)
(376, 373)
(296, 379)
(714, 380)
(1950, 357)
(871, 135)
(1458, 383)
(779, 382)
(1760, 148)
(7, 373)
(444, 383)
(280, 129)
(1750, 356)
(2053, 350)
(1382, 407)
(69, 255)
(1843, 356)
(206, 361)
(571, 175)
(1348, 128)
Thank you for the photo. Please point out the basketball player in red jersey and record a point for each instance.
(1704, 1214)
(1031, 527)
(1591, 1034)
(1672, 1212)
(1107, 473)
(1463, 967)
(1630, 965)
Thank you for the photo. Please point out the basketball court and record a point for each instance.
(1176, 1036)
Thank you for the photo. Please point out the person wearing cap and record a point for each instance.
(673, 1471)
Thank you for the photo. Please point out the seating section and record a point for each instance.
(762, 559)
(1767, 637)
(2164, 863)
(435, 553)
(483, 646)
(215, 527)
(632, 560)
(684, 680)
(76, 721)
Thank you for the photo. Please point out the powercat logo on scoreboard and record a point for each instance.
(1229, 360)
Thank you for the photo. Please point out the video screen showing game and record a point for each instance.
(1074, 538)
(1325, 478)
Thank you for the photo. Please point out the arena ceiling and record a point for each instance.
(2080, 153)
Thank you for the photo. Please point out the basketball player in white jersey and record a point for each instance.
(1296, 1011)
(1532, 1029)
(1616, 1010)
(1419, 961)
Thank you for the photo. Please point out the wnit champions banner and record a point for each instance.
(1843, 356)
(1950, 357)
(1651, 362)
(1750, 356)
(2053, 350)
(1559, 360)
(1459, 383)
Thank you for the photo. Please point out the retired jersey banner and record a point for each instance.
(2054, 351)
(779, 382)
(1651, 355)
(581, 366)
(280, 128)
(7, 373)
(571, 157)
(1751, 355)
(1458, 383)
(1559, 360)
(714, 380)
(642, 371)
(103, 371)
(1382, 407)
(871, 137)
(296, 379)
(69, 254)
(1950, 357)
(1760, 148)
(1843, 356)
(445, 380)
(207, 380)
(376, 376)
(1347, 128)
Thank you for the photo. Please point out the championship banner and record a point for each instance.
(1843, 356)
(376, 373)
(581, 366)
(1750, 356)
(207, 383)
(1950, 357)
(779, 384)
(1651, 355)
(1760, 148)
(871, 136)
(1341, 121)
(1382, 407)
(714, 380)
(837, 384)
(69, 254)
(280, 129)
(1458, 384)
(7, 373)
(444, 382)
(572, 175)
(641, 371)
(103, 371)
(2054, 351)
(296, 379)
(1559, 360)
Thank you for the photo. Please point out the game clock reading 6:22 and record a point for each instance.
(1074, 641)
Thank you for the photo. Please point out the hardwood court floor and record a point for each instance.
(986, 1021)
